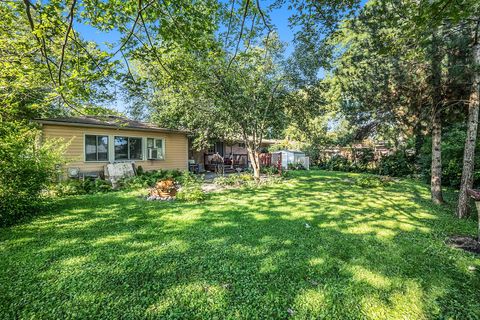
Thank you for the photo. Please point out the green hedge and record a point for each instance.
(26, 169)
(398, 164)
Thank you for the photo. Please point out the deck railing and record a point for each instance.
(236, 160)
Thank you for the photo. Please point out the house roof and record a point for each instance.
(290, 151)
(272, 141)
(117, 122)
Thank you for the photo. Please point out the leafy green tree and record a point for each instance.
(472, 127)
(451, 18)
(216, 98)
(26, 169)
(226, 81)
(401, 65)
(46, 68)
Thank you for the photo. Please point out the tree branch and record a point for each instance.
(69, 28)
(269, 28)
(40, 41)
(229, 22)
(241, 33)
(251, 31)
(43, 50)
(154, 48)
(140, 10)
(128, 67)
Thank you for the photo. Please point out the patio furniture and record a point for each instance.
(194, 167)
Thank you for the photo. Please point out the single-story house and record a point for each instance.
(95, 141)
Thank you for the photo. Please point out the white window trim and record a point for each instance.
(128, 148)
(111, 147)
(163, 148)
(85, 134)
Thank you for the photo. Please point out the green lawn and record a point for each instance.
(369, 254)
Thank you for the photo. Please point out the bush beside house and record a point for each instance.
(26, 169)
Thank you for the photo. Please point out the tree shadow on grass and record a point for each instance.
(317, 247)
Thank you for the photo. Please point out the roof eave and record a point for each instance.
(104, 126)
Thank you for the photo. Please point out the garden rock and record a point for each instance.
(158, 198)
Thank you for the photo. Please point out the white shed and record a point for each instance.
(290, 157)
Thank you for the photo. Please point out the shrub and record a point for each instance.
(135, 182)
(148, 178)
(245, 177)
(247, 180)
(96, 185)
(191, 194)
(191, 190)
(363, 158)
(398, 164)
(271, 170)
(337, 163)
(453, 143)
(26, 168)
(141, 180)
(66, 188)
(225, 180)
(285, 174)
(296, 166)
(188, 179)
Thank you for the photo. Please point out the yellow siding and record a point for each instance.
(176, 146)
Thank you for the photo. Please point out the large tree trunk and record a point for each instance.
(470, 142)
(436, 81)
(254, 161)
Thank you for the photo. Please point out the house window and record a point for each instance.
(135, 148)
(241, 145)
(96, 148)
(155, 149)
(128, 148)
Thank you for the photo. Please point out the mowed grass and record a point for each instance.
(374, 253)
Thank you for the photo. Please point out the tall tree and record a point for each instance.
(393, 69)
(218, 99)
(225, 82)
(472, 127)
(382, 76)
